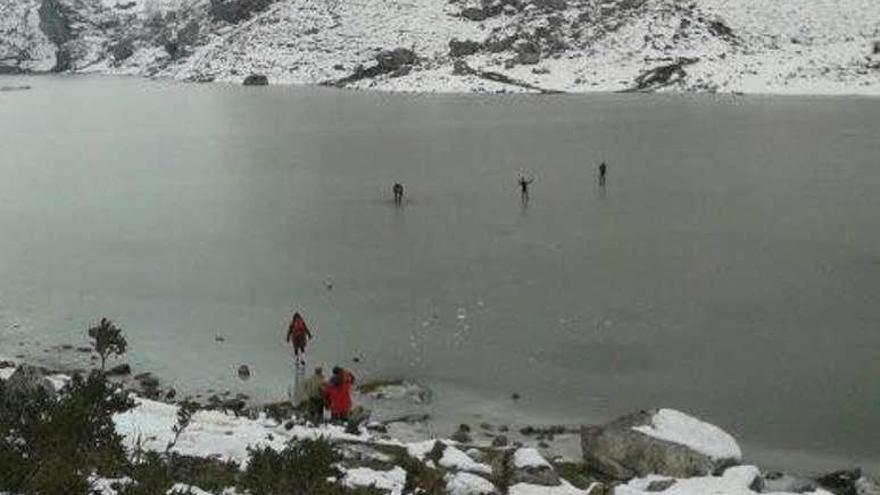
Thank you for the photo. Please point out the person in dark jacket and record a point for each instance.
(398, 193)
(298, 335)
(603, 171)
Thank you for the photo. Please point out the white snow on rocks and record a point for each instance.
(565, 488)
(734, 481)
(392, 481)
(753, 46)
(468, 484)
(453, 458)
(705, 438)
(525, 458)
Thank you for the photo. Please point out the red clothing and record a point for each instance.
(298, 332)
(338, 394)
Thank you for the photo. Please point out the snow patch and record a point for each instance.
(675, 426)
(392, 481)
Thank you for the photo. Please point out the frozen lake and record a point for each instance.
(730, 267)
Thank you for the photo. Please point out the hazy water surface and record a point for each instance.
(730, 268)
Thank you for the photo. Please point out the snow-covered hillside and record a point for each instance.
(766, 46)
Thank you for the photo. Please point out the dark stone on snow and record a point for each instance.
(458, 48)
(256, 80)
(236, 11)
(500, 441)
(659, 485)
(121, 370)
(474, 14)
(841, 482)
(391, 60)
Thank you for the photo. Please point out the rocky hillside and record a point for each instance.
(760, 46)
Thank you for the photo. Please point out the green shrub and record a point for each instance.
(301, 467)
(107, 339)
(51, 446)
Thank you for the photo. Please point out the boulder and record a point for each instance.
(528, 53)
(121, 370)
(867, 486)
(530, 467)
(474, 14)
(28, 379)
(776, 481)
(256, 80)
(841, 482)
(458, 48)
(392, 60)
(664, 442)
(500, 441)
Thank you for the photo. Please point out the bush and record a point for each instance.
(51, 446)
(302, 467)
(107, 339)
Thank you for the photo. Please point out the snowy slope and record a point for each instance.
(766, 46)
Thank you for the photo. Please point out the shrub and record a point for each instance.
(107, 339)
(302, 467)
(50, 446)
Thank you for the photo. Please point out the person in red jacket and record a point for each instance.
(298, 335)
(337, 393)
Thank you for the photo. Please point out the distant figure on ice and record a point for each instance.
(398, 193)
(337, 393)
(298, 335)
(524, 187)
(603, 170)
(310, 397)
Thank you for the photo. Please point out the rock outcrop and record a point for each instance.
(27, 379)
(620, 450)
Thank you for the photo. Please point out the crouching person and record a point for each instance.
(310, 397)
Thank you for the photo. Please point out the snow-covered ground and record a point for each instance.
(752, 46)
(215, 434)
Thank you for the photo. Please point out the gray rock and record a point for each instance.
(121, 370)
(528, 53)
(461, 48)
(618, 451)
(659, 485)
(256, 80)
(474, 14)
(461, 436)
(500, 441)
(781, 482)
(841, 482)
(867, 486)
(28, 379)
(534, 475)
(392, 60)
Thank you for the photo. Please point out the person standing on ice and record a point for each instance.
(298, 335)
(398, 193)
(524, 187)
(603, 170)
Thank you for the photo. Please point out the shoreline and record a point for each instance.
(372, 456)
(400, 400)
(872, 92)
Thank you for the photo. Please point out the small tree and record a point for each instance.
(107, 340)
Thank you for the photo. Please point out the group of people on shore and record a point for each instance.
(316, 394)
